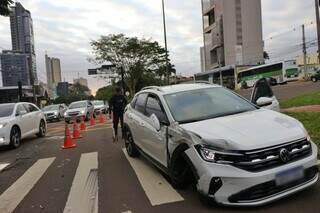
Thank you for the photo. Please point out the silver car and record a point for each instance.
(54, 112)
(100, 106)
(237, 153)
(78, 110)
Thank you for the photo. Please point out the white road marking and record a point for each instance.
(156, 187)
(11, 198)
(2, 166)
(83, 195)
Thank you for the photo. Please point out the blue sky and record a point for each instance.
(64, 29)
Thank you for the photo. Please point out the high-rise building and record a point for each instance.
(53, 69)
(14, 66)
(232, 33)
(22, 37)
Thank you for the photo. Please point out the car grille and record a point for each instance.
(49, 114)
(73, 113)
(268, 158)
(268, 189)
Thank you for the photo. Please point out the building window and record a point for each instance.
(213, 56)
(211, 16)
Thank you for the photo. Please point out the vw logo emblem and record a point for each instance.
(284, 155)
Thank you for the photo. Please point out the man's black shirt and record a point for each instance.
(117, 104)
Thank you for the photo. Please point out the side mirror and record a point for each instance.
(264, 101)
(155, 122)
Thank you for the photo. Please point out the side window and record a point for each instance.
(20, 108)
(154, 107)
(31, 108)
(141, 102)
(133, 102)
(26, 106)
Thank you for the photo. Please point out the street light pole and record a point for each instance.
(165, 42)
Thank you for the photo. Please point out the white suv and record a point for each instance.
(237, 153)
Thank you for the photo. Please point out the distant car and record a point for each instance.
(54, 112)
(20, 120)
(79, 109)
(100, 106)
(316, 76)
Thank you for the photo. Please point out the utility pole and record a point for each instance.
(304, 49)
(318, 27)
(165, 42)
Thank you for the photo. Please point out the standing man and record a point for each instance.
(117, 104)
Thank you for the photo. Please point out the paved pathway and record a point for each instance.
(312, 108)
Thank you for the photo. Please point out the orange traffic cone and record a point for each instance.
(76, 133)
(83, 126)
(67, 139)
(101, 119)
(92, 121)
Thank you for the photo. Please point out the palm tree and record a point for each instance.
(4, 7)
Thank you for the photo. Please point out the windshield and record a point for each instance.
(6, 110)
(98, 103)
(51, 108)
(203, 104)
(78, 105)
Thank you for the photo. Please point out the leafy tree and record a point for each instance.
(4, 7)
(139, 58)
(266, 55)
(76, 93)
(105, 93)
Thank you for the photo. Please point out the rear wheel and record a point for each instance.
(129, 144)
(15, 137)
(42, 129)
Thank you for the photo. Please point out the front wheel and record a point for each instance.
(129, 144)
(15, 138)
(42, 129)
(313, 79)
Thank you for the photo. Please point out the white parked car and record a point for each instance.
(78, 110)
(238, 153)
(54, 112)
(100, 106)
(19, 120)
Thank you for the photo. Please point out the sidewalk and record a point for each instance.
(313, 108)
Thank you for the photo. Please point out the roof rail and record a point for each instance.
(152, 87)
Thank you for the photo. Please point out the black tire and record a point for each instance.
(42, 129)
(129, 144)
(179, 171)
(207, 201)
(313, 79)
(15, 137)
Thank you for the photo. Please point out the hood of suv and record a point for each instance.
(5, 119)
(248, 131)
(76, 110)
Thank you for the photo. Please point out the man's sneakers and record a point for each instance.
(115, 139)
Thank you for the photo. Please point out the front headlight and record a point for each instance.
(82, 111)
(2, 125)
(65, 114)
(55, 113)
(222, 157)
(207, 154)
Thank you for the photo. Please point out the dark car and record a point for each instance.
(315, 77)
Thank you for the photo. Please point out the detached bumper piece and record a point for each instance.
(269, 189)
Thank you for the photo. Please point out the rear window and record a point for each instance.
(6, 110)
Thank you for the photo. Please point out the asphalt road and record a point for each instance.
(41, 177)
(287, 91)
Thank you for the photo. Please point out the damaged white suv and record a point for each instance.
(237, 153)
